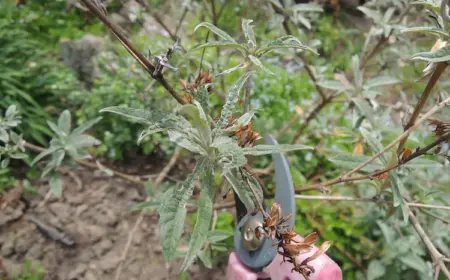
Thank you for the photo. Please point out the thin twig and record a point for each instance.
(148, 66)
(435, 254)
(345, 178)
(374, 200)
(435, 216)
(440, 67)
(405, 134)
(140, 218)
(383, 40)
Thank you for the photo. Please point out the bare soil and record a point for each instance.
(96, 214)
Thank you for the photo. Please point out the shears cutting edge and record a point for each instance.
(257, 258)
(258, 253)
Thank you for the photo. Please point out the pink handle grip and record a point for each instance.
(325, 269)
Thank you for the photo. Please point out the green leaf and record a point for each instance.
(56, 185)
(363, 108)
(205, 258)
(374, 144)
(428, 4)
(173, 212)
(375, 15)
(232, 99)
(349, 161)
(4, 163)
(422, 163)
(219, 32)
(307, 7)
(428, 30)
(260, 150)
(140, 115)
(441, 55)
(217, 235)
(229, 70)
(183, 141)
(11, 111)
(380, 81)
(249, 33)
(147, 205)
(85, 126)
(4, 137)
(398, 189)
(240, 187)
(375, 270)
(226, 44)
(358, 78)
(45, 153)
(18, 156)
(334, 85)
(258, 63)
(414, 261)
(231, 154)
(55, 128)
(202, 96)
(204, 214)
(284, 42)
(65, 122)
(82, 141)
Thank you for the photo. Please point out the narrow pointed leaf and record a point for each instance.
(205, 258)
(232, 99)
(334, 85)
(83, 141)
(441, 55)
(428, 30)
(223, 44)
(363, 108)
(217, 235)
(380, 81)
(284, 42)
(219, 32)
(45, 153)
(259, 150)
(240, 187)
(56, 185)
(204, 214)
(307, 7)
(375, 15)
(350, 161)
(229, 70)
(249, 33)
(64, 122)
(374, 144)
(258, 63)
(85, 126)
(173, 212)
(140, 115)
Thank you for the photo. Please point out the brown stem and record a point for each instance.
(149, 67)
(440, 67)
(382, 40)
(435, 254)
(374, 200)
(344, 179)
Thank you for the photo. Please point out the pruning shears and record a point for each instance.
(253, 256)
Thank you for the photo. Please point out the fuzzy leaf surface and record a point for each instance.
(173, 212)
(204, 213)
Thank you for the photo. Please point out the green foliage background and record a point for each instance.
(33, 77)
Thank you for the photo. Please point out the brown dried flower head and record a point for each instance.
(202, 79)
(441, 128)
